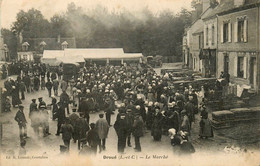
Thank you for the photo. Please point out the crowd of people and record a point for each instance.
(144, 99)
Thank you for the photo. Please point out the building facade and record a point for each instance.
(231, 32)
(238, 44)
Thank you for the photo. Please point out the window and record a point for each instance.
(225, 32)
(207, 36)
(241, 30)
(25, 57)
(240, 67)
(213, 35)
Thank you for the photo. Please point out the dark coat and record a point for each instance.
(33, 108)
(15, 97)
(61, 115)
(48, 85)
(64, 98)
(84, 107)
(121, 128)
(157, 126)
(81, 128)
(138, 127)
(20, 118)
(189, 107)
(92, 138)
(67, 131)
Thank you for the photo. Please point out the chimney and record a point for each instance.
(205, 5)
(238, 3)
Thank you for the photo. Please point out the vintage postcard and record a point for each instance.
(129, 82)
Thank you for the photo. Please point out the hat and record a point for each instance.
(33, 99)
(21, 106)
(42, 106)
(40, 98)
(183, 112)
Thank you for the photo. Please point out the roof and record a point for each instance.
(198, 27)
(25, 44)
(94, 53)
(227, 5)
(51, 43)
(51, 62)
(65, 43)
(79, 55)
(53, 54)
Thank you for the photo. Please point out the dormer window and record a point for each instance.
(64, 45)
(42, 45)
(25, 46)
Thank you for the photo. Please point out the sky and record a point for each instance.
(10, 8)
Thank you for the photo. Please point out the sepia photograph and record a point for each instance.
(130, 82)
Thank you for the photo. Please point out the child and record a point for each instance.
(93, 139)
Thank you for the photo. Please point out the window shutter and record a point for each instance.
(205, 35)
(245, 67)
(245, 30)
(235, 31)
(235, 66)
(229, 32)
(221, 33)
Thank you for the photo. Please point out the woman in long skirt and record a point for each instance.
(205, 124)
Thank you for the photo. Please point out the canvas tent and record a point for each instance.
(105, 55)
(52, 57)
(75, 55)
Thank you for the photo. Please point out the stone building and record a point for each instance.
(231, 33)
(238, 42)
(31, 49)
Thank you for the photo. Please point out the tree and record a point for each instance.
(31, 24)
(11, 41)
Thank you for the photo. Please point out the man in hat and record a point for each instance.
(157, 125)
(21, 120)
(102, 128)
(138, 131)
(49, 87)
(42, 104)
(190, 108)
(121, 131)
(61, 117)
(84, 107)
(65, 99)
(54, 107)
(129, 122)
(108, 110)
(33, 115)
(63, 85)
(55, 86)
(36, 83)
(73, 119)
(67, 130)
(93, 139)
(81, 129)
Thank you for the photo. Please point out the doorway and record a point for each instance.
(226, 64)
